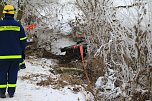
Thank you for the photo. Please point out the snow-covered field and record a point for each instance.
(27, 90)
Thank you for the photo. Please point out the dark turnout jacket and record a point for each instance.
(12, 39)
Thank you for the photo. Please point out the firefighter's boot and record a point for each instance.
(2, 95)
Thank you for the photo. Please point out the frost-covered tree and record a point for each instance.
(120, 37)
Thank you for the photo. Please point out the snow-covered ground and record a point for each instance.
(27, 90)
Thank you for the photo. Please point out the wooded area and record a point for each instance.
(119, 39)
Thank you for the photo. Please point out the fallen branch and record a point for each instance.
(65, 70)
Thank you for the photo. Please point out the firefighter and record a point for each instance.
(12, 45)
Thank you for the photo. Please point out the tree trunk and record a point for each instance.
(151, 85)
(20, 11)
(1, 9)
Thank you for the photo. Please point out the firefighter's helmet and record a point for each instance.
(9, 9)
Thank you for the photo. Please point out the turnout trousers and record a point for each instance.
(8, 76)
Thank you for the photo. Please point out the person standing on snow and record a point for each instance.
(12, 45)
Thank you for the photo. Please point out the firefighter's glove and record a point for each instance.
(22, 65)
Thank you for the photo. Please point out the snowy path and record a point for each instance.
(27, 91)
